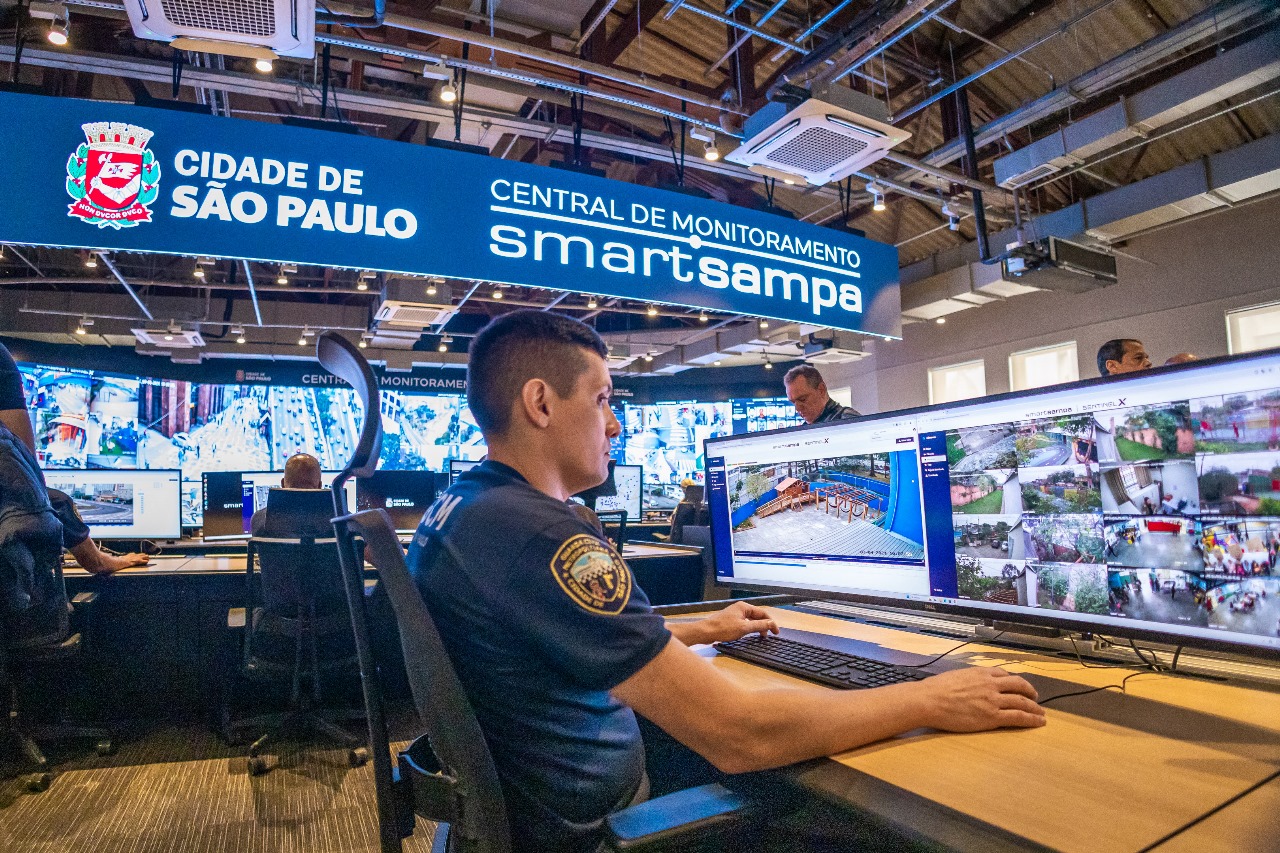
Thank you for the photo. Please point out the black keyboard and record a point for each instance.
(835, 669)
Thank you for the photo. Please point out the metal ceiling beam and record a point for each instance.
(253, 294)
(107, 262)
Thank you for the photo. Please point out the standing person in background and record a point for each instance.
(75, 533)
(808, 393)
(1122, 355)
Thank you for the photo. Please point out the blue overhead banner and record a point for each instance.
(93, 175)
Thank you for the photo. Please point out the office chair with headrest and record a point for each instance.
(447, 775)
(297, 628)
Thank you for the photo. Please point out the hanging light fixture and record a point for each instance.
(652, 311)
(449, 92)
(592, 302)
(877, 194)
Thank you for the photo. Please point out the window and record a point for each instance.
(957, 382)
(1250, 329)
(1035, 368)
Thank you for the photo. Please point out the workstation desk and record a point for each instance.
(1110, 772)
(159, 632)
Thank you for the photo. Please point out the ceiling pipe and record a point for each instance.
(359, 22)
(107, 262)
(253, 294)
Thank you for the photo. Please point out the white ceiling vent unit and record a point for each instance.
(827, 137)
(256, 29)
(840, 348)
(168, 339)
(405, 305)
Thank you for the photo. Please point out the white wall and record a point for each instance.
(1174, 287)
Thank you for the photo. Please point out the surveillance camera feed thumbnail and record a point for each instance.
(1166, 513)
(831, 519)
(665, 439)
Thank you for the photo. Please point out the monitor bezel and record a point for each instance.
(139, 471)
(639, 468)
(435, 490)
(1018, 617)
(241, 537)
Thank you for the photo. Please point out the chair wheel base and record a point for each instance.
(257, 766)
(38, 782)
(358, 757)
(105, 747)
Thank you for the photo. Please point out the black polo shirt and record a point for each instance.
(74, 530)
(541, 618)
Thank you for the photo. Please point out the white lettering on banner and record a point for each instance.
(749, 277)
(216, 200)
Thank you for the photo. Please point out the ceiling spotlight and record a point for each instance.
(302, 340)
(362, 285)
(648, 356)
(239, 333)
(764, 324)
(592, 302)
(940, 320)
(711, 152)
(702, 317)
(57, 34)
(953, 215)
(168, 337)
(449, 92)
(716, 363)
(768, 365)
(91, 260)
(497, 293)
(431, 289)
(652, 311)
(80, 329)
(282, 279)
(364, 341)
(263, 65)
(877, 193)
(198, 272)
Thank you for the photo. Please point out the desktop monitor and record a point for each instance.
(628, 481)
(764, 413)
(123, 504)
(232, 497)
(1146, 505)
(457, 466)
(405, 495)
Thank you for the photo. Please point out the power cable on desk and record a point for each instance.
(1120, 687)
(1211, 812)
(949, 651)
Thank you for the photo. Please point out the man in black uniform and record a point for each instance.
(556, 647)
(807, 391)
(75, 533)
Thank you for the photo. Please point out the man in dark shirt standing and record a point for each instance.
(75, 533)
(808, 393)
(557, 649)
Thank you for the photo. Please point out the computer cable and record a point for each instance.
(1211, 812)
(949, 651)
(1120, 687)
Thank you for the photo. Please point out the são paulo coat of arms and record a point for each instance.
(113, 177)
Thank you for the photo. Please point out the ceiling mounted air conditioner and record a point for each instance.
(168, 339)
(405, 304)
(256, 29)
(834, 133)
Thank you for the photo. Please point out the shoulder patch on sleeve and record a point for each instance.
(592, 575)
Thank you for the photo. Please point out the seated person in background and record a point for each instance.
(1122, 355)
(685, 513)
(556, 647)
(75, 533)
(301, 471)
(1181, 358)
(76, 539)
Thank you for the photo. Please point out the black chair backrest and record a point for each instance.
(621, 514)
(341, 358)
(480, 826)
(298, 552)
(703, 516)
(685, 514)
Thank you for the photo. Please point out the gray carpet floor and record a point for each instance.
(179, 789)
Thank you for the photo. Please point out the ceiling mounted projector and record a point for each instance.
(829, 136)
(256, 29)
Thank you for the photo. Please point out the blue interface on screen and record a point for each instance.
(1151, 502)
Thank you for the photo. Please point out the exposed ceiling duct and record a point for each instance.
(1135, 117)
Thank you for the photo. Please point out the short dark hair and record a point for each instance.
(520, 346)
(1113, 350)
(807, 371)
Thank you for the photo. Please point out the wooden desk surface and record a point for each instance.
(1235, 827)
(1109, 772)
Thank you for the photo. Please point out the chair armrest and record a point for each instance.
(676, 821)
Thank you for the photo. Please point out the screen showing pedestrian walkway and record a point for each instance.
(1150, 502)
(123, 504)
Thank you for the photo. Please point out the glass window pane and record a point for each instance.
(1253, 328)
(1035, 368)
(957, 382)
